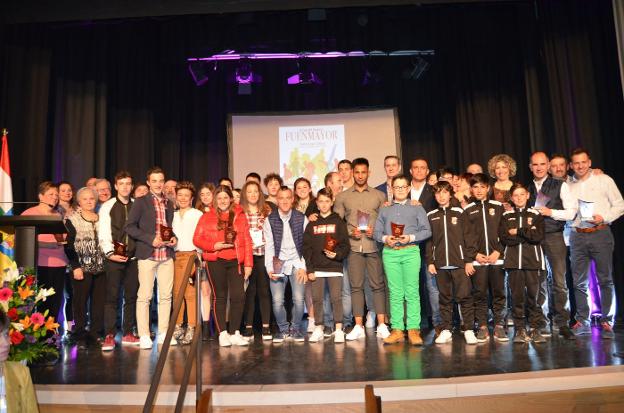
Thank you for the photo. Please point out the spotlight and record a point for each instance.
(304, 75)
(244, 76)
(199, 71)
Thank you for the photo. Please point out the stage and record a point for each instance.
(311, 373)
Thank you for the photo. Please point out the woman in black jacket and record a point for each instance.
(325, 245)
(521, 232)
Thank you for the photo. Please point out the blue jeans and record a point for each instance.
(434, 300)
(298, 292)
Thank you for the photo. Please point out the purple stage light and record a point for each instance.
(232, 55)
(304, 78)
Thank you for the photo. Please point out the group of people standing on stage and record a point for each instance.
(486, 252)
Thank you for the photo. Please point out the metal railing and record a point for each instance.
(196, 345)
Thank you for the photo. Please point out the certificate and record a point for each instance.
(257, 237)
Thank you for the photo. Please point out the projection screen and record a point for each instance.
(295, 144)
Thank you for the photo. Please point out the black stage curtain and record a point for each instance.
(83, 99)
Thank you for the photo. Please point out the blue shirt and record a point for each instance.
(413, 217)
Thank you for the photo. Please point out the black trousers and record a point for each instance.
(258, 288)
(455, 283)
(492, 276)
(93, 287)
(68, 295)
(525, 283)
(51, 277)
(120, 275)
(224, 278)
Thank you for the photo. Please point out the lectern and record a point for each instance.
(26, 229)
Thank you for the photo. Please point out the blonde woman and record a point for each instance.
(502, 168)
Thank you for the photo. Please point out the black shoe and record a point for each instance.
(327, 332)
(248, 333)
(567, 333)
(347, 329)
(266, 334)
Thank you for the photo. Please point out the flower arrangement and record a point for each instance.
(34, 336)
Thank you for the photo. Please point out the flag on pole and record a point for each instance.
(7, 239)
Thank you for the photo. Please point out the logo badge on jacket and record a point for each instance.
(454, 220)
(529, 220)
(492, 211)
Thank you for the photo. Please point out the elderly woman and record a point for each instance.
(51, 259)
(502, 168)
(19, 394)
(87, 263)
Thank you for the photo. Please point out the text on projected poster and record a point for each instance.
(310, 152)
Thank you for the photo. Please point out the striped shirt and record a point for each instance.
(160, 206)
(256, 223)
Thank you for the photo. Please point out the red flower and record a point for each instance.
(16, 338)
(5, 294)
(30, 280)
(12, 314)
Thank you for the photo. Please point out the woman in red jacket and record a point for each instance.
(223, 235)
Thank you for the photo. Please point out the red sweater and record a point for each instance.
(207, 235)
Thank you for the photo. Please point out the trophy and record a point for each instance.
(541, 200)
(278, 267)
(397, 229)
(120, 248)
(586, 210)
(230, 235)
(166, 233)
(362, 220)
(330, 243)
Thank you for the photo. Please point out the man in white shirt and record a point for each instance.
(592, 239)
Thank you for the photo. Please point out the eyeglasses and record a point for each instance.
(396, 188)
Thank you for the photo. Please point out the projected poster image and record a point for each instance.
(310, 152)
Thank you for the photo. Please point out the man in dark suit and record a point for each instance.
(421, 193)
(392, 166)
(556, 210)
(149, 224)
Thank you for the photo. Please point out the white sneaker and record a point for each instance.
(356, 333)
(470, 337)
(339, 336)
(224, 339)
(161, 340)
(145, 342)
(237, 340)
(370, 319)
(445, 337)
(382, 331)
(310, 325)
(317, 335)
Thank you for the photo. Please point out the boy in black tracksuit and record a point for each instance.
(521, 231)
(484, 254)
(445, 259)
(320, 260)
